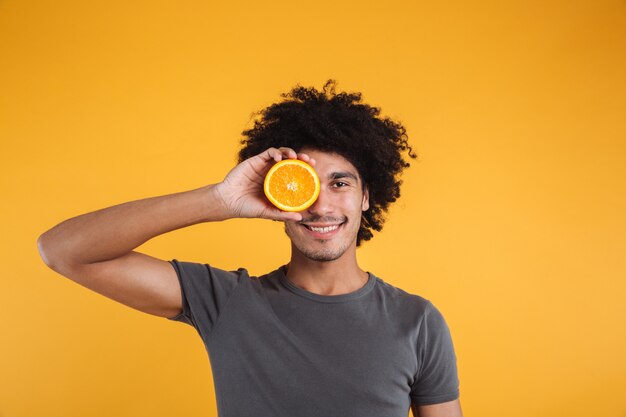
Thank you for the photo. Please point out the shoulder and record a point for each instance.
(409, 302)
(197, 271)
(391, 290)
(205, 267)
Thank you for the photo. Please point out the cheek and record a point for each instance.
(353, 204)
(289, 228)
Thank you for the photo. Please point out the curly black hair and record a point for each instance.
(340, 123)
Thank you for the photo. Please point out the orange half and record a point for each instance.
(292, 185)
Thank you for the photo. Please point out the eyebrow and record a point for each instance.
(342, 174)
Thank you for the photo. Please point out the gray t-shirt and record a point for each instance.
(278, 350)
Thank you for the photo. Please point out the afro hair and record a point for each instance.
(337, 122)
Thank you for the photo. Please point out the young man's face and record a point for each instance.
(330, 226)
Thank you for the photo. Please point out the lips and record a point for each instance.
(322, 230)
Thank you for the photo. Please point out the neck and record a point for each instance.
(341, 276)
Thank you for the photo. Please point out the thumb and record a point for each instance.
(279, 215)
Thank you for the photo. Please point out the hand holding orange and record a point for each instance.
(287, 189)
(291, 185)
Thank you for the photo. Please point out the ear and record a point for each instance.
(366, 200)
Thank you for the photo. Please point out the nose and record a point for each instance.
(322, 206)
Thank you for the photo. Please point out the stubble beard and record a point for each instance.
(321, 255)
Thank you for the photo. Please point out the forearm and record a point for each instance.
(115, 231)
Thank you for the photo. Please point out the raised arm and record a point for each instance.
(96, 249)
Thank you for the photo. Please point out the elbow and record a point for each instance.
(41, 247)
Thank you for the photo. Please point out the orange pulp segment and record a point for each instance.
(292, 185)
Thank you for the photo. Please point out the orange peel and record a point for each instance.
(291, 185)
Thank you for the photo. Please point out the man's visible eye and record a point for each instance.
(340, 184)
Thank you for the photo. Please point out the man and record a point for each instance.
(317, 337)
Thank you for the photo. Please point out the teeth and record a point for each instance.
(323, 229)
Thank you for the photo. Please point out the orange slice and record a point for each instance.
(292, 185)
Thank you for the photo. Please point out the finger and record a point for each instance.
(274, 153)
(277, 154)
(269, 154)
(306, 158)
(288, 152)
(293, 216)
(277, 214)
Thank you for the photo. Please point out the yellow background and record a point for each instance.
(512, 222)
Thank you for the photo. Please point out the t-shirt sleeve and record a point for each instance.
(205, 291)
(437, 379)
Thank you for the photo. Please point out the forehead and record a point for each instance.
(328, 163)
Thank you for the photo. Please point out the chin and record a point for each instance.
(322, 256)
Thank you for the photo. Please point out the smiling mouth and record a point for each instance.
(325, 229)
